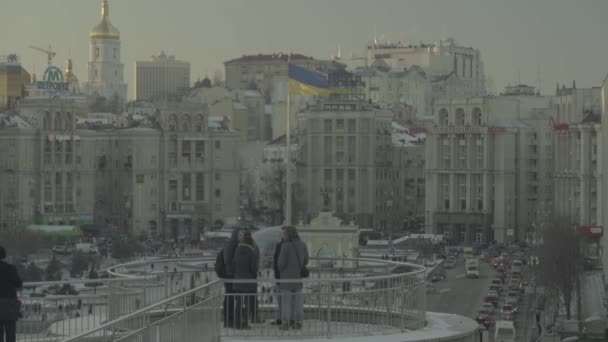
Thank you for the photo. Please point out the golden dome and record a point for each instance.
(105, 29)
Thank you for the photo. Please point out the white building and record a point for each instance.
(489, 167)
(106, 72)
(161, 77)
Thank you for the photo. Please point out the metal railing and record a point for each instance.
(342, 297)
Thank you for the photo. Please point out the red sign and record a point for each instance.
(415, 130)
(497, 129)
(561, 126)
(590, 231)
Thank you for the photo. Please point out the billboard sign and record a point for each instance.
(52, 81)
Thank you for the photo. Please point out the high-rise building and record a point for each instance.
(345, 162)
(162, 77)
(489, 167)
(259, 71)
(13, 79)
(65, 167)
(106, 72)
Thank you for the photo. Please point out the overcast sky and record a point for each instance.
(566, 38)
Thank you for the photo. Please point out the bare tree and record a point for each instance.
(561, 262)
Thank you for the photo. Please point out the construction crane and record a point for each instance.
(49, 53)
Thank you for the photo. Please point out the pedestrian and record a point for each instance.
(245, 267)
(10, 306)
(292, 262)
(227, 255)
(277, 276)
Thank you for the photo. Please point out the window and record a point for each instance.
(351, 175)
(96, 55)
(327, 126)
(186, 152)
(200, 187)
(327, 176)
(340, 125)
(340, 175)
(445, 153)
(186, 186)
(199, 150)
(58, 149)
(352, 125)
(173, 190)
(218, 193)
(218, 145)
(328, 148)
(217, 176)
(115, 53)
(173, 151)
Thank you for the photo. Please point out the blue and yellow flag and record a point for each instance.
(303, 81)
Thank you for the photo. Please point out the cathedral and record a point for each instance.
(105, 71)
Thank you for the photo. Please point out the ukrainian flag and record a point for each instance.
(303, 81)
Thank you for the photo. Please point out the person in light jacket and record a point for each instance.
(292, 259)
(9, 283)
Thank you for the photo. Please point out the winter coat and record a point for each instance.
(289, 267)
(275, 260)
(245, 267)
(229, 251)
(9, 281)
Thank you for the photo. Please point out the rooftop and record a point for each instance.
(273, 57)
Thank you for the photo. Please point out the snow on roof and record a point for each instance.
(252, 93)
(238, 105)
(402, 136)
(13, 121)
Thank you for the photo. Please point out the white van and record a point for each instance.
(504, 331)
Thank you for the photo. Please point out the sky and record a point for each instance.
(564, 38)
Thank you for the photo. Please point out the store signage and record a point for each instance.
(52, 81)
(590, 231)
(561, 126)
(63, 137)
(497, 130)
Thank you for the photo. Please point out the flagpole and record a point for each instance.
(288, 152)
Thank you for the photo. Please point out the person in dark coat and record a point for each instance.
(245, 267)
(292, 259)
(228, 254)
(277, 275)
(9, 283)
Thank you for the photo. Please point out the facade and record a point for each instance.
(443, 58)
(345, 162)
(106, 72)
(13, 80)
(258, 71)
(577, 139)
(160, 78)
(174, 171)
(489, 168)
(408, 160)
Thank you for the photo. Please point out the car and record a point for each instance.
(497, 288)
(449, 264)
(485, 320)
(492, 298)
(437, 278)
(487, 306)
(508, 311)
(496, 281)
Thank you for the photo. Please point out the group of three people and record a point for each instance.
(242, 261)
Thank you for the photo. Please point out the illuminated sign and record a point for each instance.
(590, 231)
(52, 81)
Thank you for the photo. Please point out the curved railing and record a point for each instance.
(367, 298)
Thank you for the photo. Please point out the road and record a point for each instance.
(458, 294)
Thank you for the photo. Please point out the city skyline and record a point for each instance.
(225, 31)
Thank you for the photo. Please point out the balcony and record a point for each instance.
(182, 300)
